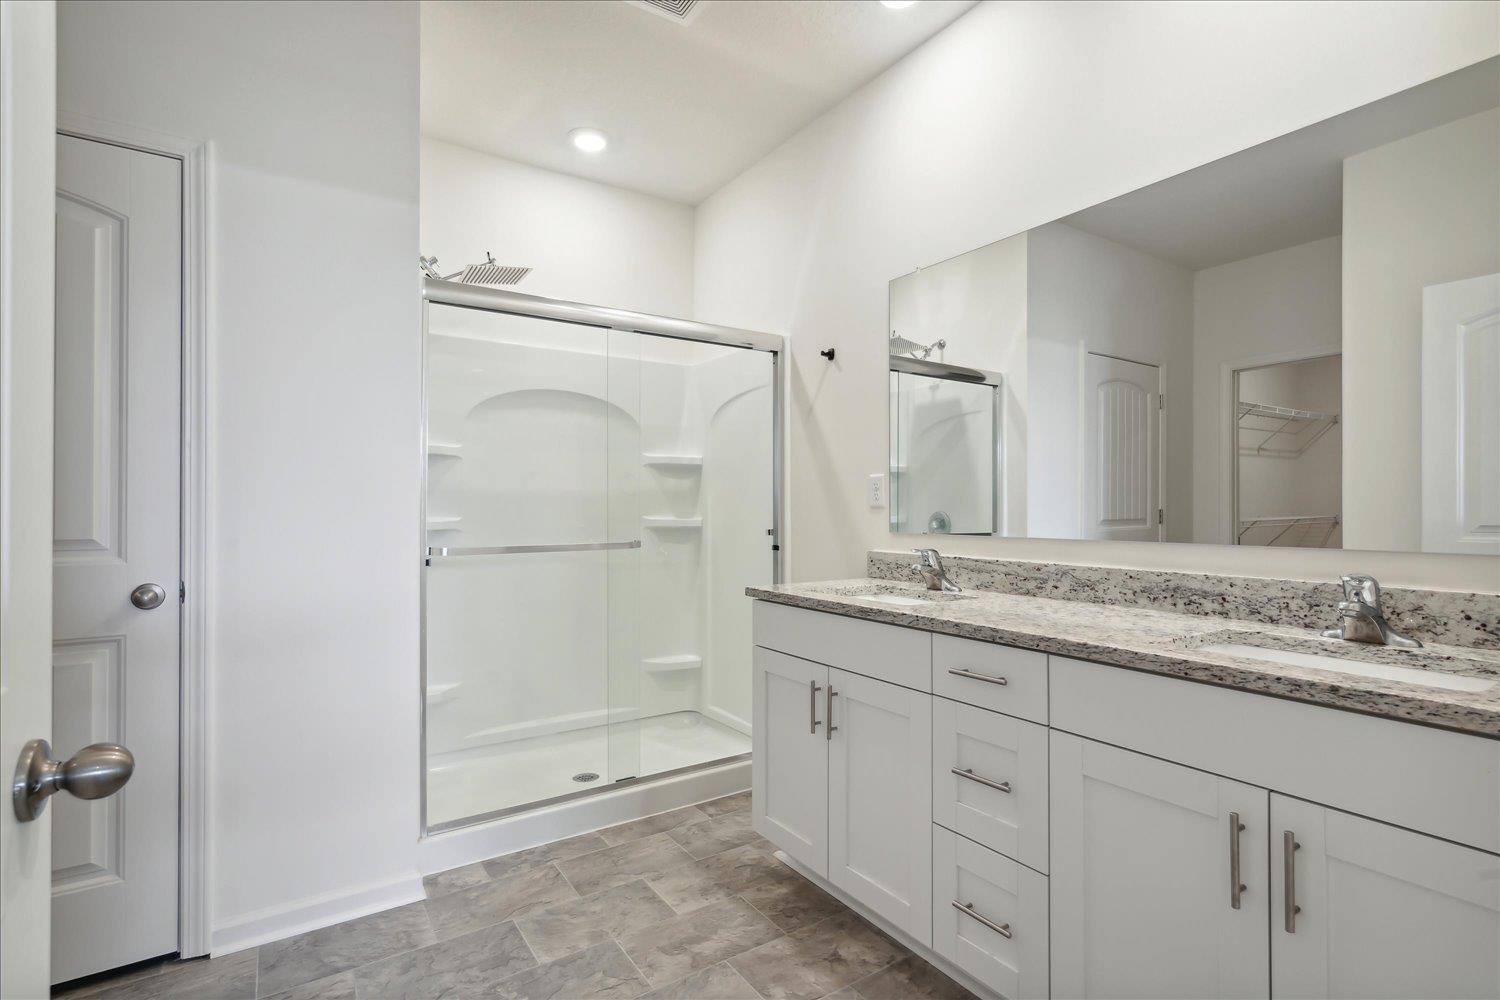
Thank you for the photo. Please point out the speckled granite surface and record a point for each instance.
(1170, 642)
(1451, 618)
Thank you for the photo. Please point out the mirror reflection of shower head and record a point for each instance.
(900, 345)
(488, 273)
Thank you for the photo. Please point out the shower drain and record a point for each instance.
(584, 777)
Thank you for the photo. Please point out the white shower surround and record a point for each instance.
(518, 645)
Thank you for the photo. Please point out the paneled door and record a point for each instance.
(1363, 909)
(1148, 861)
(116, 541)
(1461, 416)
(879, 798)
(789, 764)
(1121, 450)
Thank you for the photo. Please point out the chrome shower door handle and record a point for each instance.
(1289, 848)
(95, 772)
(812, 708)
(1236, 887)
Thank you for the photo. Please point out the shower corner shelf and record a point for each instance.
(443, 522)
(443, 449)
(677, 461)
(663, 522)
(672, 664)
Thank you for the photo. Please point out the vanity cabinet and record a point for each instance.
(1043, 826)
(1145, 856)
(842, 768)
(1379, 911)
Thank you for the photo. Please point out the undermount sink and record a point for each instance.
(894, 594)
(1434, 678)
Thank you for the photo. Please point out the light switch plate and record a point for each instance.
(876, 491)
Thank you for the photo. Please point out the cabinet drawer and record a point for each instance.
(999, 678)
(989, 916)
(886, 652)
(989, 780)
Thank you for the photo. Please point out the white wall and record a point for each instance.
(588, 242)
(1018, 114)
(312, 110)
(1248, 312)
(1419, 211)
(1089, 294)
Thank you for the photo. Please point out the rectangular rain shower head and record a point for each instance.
(488, 273)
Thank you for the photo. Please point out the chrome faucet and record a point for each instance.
(1360, 617)
(930, 565)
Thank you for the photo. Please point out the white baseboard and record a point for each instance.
(947, 968)
(313, 912)
(440, 852)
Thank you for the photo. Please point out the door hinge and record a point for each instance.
(1161, 401)
(181, 592)
(1161, 516)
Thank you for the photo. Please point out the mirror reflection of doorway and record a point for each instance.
(1289, 458)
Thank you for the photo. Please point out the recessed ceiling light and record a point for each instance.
(590, 140)
(898, 4)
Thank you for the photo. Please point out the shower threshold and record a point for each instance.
(472, 785)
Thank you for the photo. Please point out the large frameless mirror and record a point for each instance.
(1296, 345)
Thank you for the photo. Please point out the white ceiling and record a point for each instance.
(687, 107)
(1284, 192)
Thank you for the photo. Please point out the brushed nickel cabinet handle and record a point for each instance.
(968, 772)
(832, 694)
(971, 675)
(812, 708)
(968, 909)
(1289, 848)
(1236, 887)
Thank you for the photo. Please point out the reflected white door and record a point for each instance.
(1461, 416)
(1121, 452)
(116, 527)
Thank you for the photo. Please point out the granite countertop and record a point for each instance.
(1170, 643)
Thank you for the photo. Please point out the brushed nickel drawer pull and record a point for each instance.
(812, 709)
(828, 732)
(968, 908)
(968, 772)
(1235, 885)
(971, 675)
(1289, 849)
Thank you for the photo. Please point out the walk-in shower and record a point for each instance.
(600, 488)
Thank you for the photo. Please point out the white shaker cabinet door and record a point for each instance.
(789, 768)
(880, 799)
(1363, 909)
(1144, 898)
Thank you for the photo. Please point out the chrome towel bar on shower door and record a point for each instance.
(510, 550)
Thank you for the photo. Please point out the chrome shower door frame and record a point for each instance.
(451, 293)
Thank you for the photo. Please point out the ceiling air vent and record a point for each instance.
(677, 10)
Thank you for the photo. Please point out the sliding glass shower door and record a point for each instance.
(596, 500)
(533, 543)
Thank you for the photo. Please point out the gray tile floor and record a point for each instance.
(687, 905)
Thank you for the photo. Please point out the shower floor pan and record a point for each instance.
(476, 782)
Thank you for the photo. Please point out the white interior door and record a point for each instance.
(27, 107)
(116, 528)
(1121, 450)
(1381, 911)
(1461, 416)
(879, 798)
(1144, 854)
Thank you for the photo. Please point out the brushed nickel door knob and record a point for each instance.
(95, 772)
(148, 596)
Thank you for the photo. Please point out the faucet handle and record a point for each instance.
(1363, 588)
(930, 558)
